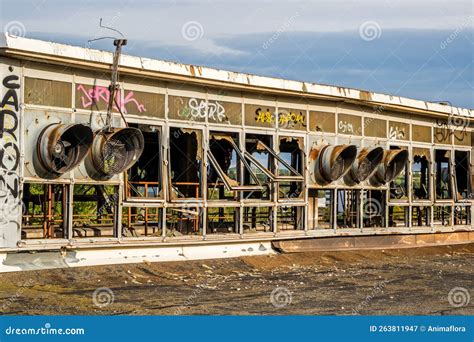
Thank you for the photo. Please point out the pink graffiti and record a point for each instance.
(97, 94)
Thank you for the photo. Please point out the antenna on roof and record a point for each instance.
(114, 150)
(114, 85)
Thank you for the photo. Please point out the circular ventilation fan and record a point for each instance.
(332, 162)
(61, 148)
(114, 152)
(393, 163)
(364, 166)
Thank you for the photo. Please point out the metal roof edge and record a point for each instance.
(205, 73)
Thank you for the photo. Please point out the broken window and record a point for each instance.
(44, 211)
(348, 209)
(257, 220)
(183, 221)
(320, 209)
(48, 92)
(94, 209)
(141, 221)
(261, 163)
(399, 186)
(443, 174)
(224, 169)
(462, 167)
(289, 161)
(290, 164)
(420, 217)
(290, 218)
(185, 162)
(462, 215)
(373, 208)
(227, 158)
(442, 216)
(145, 176)
(398, 216)
(222, 220)
(421, 173)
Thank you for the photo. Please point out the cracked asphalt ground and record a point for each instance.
(374, 282)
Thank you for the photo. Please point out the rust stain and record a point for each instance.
(365, 95)
(191, 69)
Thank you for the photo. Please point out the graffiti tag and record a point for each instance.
(200, 109)
(9, 150)
(397, 133)
(264, 116)
(291, 119)
(98, 94)
(345, 127)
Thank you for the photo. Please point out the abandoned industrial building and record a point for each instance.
(183, 156)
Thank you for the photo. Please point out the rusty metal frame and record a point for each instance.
(226, 180)
(274, 177)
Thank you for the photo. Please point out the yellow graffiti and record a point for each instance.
(291, 118)
(264, 117)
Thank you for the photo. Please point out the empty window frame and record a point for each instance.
(144, 179)
(420, 216)
(399, 186)
(141, 221)
(442, 216)
(373, 208)
(261, 163)
(421, 173)
(222, 220)
(257, 220)
(320, 209)
(290, 218)
(462, 175)
(254, 143)
(398, 216)
(291, 152)
(227, 157)
(222, 147)
(185, 163)
(347, 214)
(94, 210)
(443, 174)
(462, 215)
(182, 221)
(44, 211)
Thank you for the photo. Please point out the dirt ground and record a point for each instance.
(396, 282)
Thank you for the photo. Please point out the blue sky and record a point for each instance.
(418, 49)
